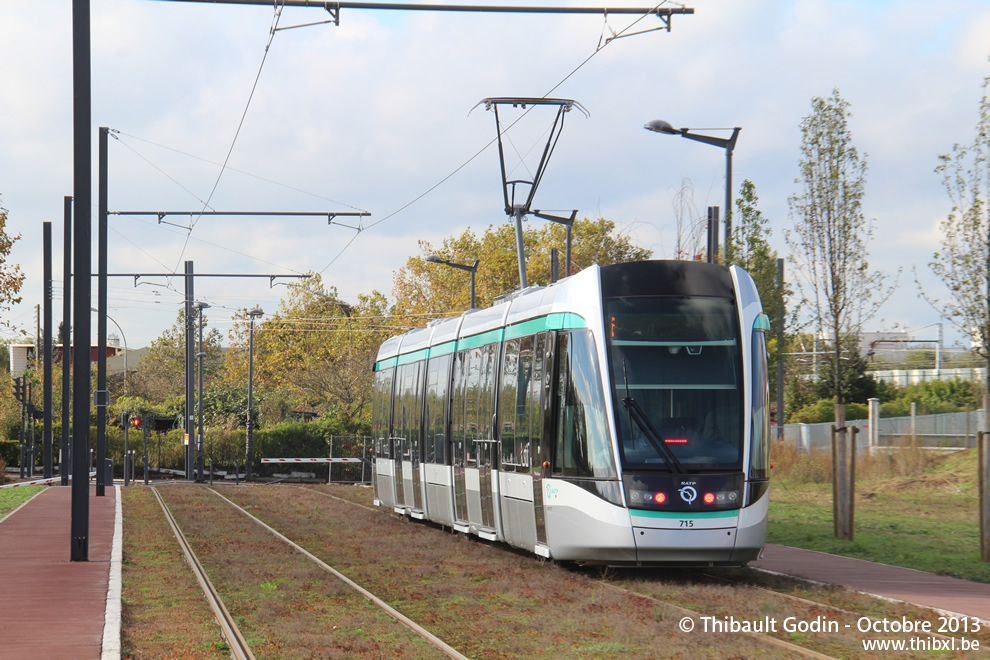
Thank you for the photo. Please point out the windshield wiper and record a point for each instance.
(643, 422)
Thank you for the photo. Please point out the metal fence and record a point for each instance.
(944, 431)
(350, 446)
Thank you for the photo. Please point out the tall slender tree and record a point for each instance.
(11, 277)
(963, 260)
(830, 236)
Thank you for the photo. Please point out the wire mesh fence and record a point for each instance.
(946, 431)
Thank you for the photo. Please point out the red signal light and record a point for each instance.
(709, 498)
(675, 441)
(660, 498)
(135, 422)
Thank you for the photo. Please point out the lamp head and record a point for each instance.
(256, 313)
(433, 259)
(661, 126)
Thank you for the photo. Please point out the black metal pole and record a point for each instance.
(101, 321)
(249, 435)
(200, 434)
(190, 388)
(144, 429)
(47, 438)
(63, 446)
(780, 353)
(82, 183)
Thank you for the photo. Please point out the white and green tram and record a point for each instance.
(619, 416)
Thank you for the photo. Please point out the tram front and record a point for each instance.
(687, 365)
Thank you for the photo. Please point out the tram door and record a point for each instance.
(407, 429)
(522, 444)
(472, 431)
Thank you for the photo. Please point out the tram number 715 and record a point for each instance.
(687, 523)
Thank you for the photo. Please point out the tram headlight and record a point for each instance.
(660, 498)
(709, 498)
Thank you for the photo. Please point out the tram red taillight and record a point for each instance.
(675, 441)
(660, 498)
(709, 498)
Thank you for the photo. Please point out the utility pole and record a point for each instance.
(64, 446)
(47, 437)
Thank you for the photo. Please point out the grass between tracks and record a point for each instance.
(11, 498)
(914, 510)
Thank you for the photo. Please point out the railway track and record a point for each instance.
(239, 648)
(704, 596)
(229, 629)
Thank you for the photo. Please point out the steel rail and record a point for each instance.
(239, 648)
(391, 611)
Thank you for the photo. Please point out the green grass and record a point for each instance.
(11, 498)
(928, 521)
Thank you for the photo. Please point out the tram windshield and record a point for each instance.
(678, 361)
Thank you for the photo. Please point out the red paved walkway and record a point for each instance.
(937, 591)
(51, 607)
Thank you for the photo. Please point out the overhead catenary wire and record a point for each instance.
(601, 46)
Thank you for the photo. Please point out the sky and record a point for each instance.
(377, 115)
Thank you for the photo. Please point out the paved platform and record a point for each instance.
(904, 584)
(51, 607)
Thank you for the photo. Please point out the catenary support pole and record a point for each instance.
(82, 148)
(101, 320)
(47, 437)
(190, 386)
(63, 446)
(780, 354)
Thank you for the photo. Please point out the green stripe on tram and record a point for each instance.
(557, 321)
(415, 356)
(687, 515)
(385, 364)
(482, 339)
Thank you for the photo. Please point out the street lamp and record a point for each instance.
(434, 259)
(661, 126)
(202, 354)
(125, 346)
(253, 314)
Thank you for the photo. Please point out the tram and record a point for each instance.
(619, 416)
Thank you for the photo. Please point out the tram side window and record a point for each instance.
(759, 455)
(582, 446)
(437, 382)
(381, 408)
(522, 377)
(458, 413)
(408, 406)
(510, 400)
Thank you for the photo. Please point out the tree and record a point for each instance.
(828, 247)
(830, 237)
(316, 351)
(423, 289)
(161, 373)
(963, 262)
(11, 277)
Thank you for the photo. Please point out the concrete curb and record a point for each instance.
(111, 627)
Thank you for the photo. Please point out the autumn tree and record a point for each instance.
(11, 277)
(424, 290)
(161, 373)
(315, 352)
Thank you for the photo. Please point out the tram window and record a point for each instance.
(511, 377)
(522, 378)
(582, 445)
(458, 414)
(381, 407)
(759, 453)
(679, 360)
(437, 384)
(408, 409)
